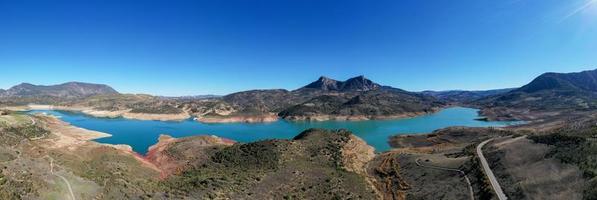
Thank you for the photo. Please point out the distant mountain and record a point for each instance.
(585, 81)
(325, 98)
(324, 83)
(65, 90)
(464, 95)
(356, 98)
(189, 98)
(549, 92)
(261, 101)
(359, 83)
(373, 104)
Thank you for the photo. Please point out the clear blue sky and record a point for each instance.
(220, 46)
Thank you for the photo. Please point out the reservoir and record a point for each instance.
(141, 134)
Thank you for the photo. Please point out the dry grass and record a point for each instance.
(525, 173)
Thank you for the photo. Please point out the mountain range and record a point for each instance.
(65, 90)
(326, 98)
(359, 83)
(465, 95)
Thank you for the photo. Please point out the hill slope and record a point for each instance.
(323, 99)
(359, 83)
(464, 96)
(65, 90)
(356, 99)
(316, 164)
(552, 93)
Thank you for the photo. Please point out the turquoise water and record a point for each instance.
(141, 134)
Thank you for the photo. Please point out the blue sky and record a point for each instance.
(218, 47)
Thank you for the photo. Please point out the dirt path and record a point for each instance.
(494, 183)
(468, 182)
(70, 189)
(32, 120)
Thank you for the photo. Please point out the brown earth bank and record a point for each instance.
(242, 118)
(257, 118)
(354, 117)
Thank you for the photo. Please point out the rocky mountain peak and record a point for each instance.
(325, 84)
(359, 83)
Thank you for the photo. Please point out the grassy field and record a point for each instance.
(14, 119)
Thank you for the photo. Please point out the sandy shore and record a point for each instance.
(353, 117)
(69, 137)
(66, 135)
(103, 113)
(272, 117)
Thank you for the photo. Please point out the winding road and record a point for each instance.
(70, 189)
(494, 183)
(470, 187)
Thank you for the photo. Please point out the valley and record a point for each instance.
(60, 155)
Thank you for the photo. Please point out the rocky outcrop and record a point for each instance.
(384, 173)
(359, 83)
(356, 153)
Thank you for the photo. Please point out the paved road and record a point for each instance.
(70, 189)
(470, 187)
(494, 183)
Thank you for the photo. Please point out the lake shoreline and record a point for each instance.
(105, 114)
(140, 134)
(264, 118)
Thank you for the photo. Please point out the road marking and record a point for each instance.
(494, 183)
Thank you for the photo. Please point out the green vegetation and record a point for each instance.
(572, 150)
(577, 147)
(13, 190)
(28, 131)
(16, 127)
(230, 170)
(120, 175)
(310, 166)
